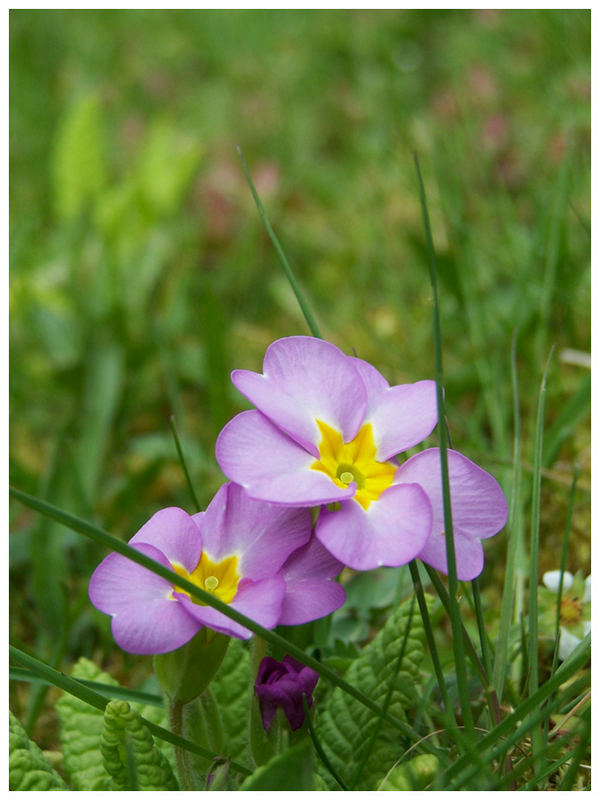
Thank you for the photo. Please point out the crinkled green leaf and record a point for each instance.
(81, 728)
(291, 770)
(129, 753)
(345, 726)
(158, 716)
(28, 768)
(412, 775)
(232, 691)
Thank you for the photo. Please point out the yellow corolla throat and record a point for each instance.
(354, 462)
(220, 578)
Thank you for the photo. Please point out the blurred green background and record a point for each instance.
(141, 273)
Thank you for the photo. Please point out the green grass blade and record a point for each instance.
(308, 316)
(183, 463)
(92, 698)
(100, 536)
(572, 413)
(457, 639)
(537, 737)
(512, 722)
(110, 692)
(486, 654)
(510, 594)
(470, 647)
(569, 777)
(317, 745)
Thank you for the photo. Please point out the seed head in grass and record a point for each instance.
(281, 684)
(239, 549)
(323, 434)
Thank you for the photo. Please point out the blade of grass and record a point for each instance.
(308, 316)
(569, 777)
(111, 692)
(512, 721)
(486, 655)
(100, 536)
(449, 717)
(317, 745)
(470, 647)
(495, 753)
(182, 462)
(512, 591)
(457, 639)
(536, 736)
(95, 699)
(574, 411)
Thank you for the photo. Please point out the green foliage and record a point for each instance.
(291, 770)
(412, 775)
(233, 690)
(129, 753)
(81, 728)
(28, 768)
(78, 162)
(345, 727)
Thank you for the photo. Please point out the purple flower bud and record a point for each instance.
(282, 684)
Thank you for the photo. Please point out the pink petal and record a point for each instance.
(305, 379)
(145, 617)
(261, 601)
(479, 508)
(175, 534)
(251, 451)
(263, 535)
(391, 532)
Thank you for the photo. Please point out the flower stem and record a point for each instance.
(182, 758)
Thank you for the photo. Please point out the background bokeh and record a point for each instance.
(141, 273)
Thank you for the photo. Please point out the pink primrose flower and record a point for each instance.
(239, 549)
(324, 430)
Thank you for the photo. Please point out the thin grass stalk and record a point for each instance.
(569, 777)
(448, 716)
(492, 754)
(525, 763)
(100, 536)
(183, 463)
(470, 647)
(319, 749)
(388, 698)
(537, 735)
(457, 639)
(568, 668)
(486, 655)
(510, 594)
(105, 689)
(96, 700)
(563, 564)
(308, 316)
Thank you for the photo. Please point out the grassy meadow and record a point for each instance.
(141, 274)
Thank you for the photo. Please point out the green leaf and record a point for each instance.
(233, 692)
(289, 771)
(345, 727)
(28, 768)
(78, 164)
(129, 753)
(166, 166)
(81, 728)
(412, 775)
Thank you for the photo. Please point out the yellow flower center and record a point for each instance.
(354, 462)
(220, 578)
(570, 611)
